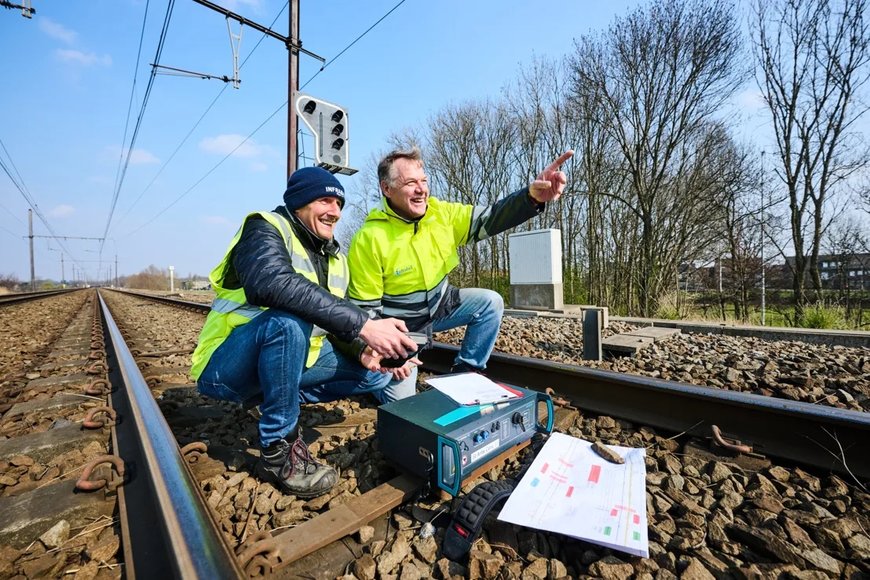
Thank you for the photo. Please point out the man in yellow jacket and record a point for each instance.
(279, 293)
(401, 256)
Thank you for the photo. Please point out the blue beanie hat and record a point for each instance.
(310, 183)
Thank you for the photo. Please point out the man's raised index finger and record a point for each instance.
(555, 165)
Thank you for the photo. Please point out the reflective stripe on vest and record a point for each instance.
(225, 306)
(404, 266)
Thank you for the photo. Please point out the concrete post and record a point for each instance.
(592, 335)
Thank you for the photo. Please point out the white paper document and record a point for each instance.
(570, 490)
(471, 389)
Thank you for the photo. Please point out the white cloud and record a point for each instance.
(57, 31)
(142, 157)
(224, 144)
(258, 166)
(61, 211)
(83, 58)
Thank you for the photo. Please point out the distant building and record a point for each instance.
(197, 285)
(842, 271)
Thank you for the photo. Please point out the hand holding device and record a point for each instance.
(419, 339)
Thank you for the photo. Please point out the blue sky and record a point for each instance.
(67, 78)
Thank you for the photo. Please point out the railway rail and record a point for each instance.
(795, 504)
(26, 296)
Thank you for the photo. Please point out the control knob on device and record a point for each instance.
(517, 419)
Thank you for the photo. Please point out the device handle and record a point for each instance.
(543, 397)
(447, 458)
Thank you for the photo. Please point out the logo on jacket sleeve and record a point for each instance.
(402, 270)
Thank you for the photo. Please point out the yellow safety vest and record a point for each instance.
(230, 308)
(402, 266)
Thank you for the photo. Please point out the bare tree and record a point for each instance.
(9, 281)
(657, 76)
(151, 278)
(469, 154)
(812, 61)
(742, 214)
(546, 126)
(360, 200)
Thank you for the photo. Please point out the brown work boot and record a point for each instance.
(290, 467)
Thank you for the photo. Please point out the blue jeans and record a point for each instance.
(480, 311)
(266, 358)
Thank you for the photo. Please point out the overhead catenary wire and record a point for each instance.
(270, 117)
(169, 7)
(210, 171)
(346, 48)
(11, 233)
(9, 211)
(201, 117)
(25, 193)
(14, 167)
(132, 93)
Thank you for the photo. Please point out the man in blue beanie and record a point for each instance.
(279, 292)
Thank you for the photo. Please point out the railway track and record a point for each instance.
(794, 505)
(27, 296)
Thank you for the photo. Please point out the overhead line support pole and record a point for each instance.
(292, 89)
(295, 47)
(30, 231)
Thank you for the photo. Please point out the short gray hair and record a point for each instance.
(385, 167)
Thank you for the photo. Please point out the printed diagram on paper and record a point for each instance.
(570, 490)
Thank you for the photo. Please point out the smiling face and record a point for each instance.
(320, 216)
(407, 189)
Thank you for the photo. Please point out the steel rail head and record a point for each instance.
(187, 542)
(185, 304)
(10, 299)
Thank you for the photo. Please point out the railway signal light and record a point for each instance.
(329, 124)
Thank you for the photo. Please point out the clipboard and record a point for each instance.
(473, 389)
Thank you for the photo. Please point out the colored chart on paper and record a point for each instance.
(570, 490)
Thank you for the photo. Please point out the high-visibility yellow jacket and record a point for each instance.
(399, 267)
(231, 309)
